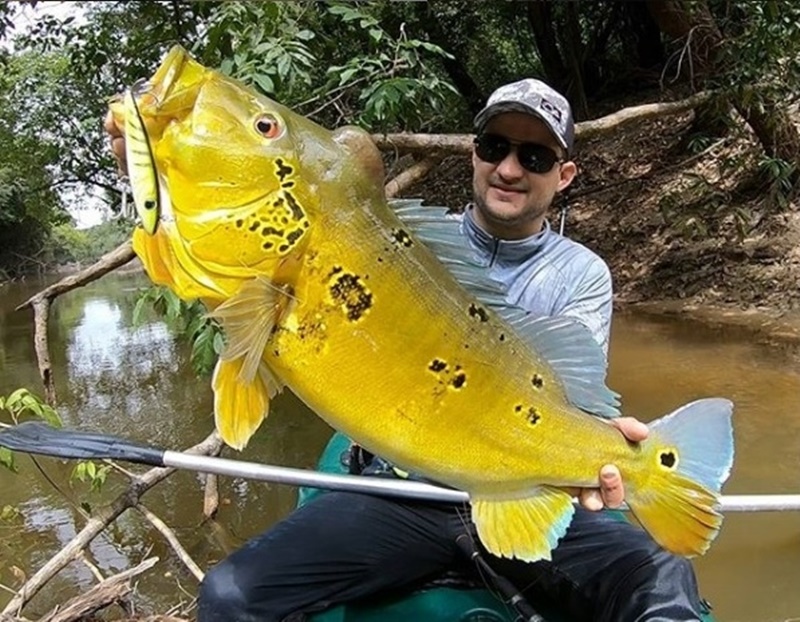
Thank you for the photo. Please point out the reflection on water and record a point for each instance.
(136, 381)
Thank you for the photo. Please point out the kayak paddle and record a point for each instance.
(39, 438)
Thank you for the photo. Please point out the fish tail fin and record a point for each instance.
(690, 454)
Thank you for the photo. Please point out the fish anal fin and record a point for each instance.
(240, 407)
(526, 528)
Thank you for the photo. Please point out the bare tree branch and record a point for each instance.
(170, 537)
(105, 593)
(40, 303)
(104, 517)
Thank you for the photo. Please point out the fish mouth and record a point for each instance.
(160, 85)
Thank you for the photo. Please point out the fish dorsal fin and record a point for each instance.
(565, 343)
(528, 528)
(568, 346)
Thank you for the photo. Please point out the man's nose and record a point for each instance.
(509, 167)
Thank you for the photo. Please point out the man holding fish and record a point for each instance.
(344, 546)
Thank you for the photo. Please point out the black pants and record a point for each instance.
(345, 546)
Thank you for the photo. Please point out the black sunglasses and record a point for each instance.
(531, 156)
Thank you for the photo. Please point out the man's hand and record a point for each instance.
(611, 492)
(117, 140)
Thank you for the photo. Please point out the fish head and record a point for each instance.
(242, 180)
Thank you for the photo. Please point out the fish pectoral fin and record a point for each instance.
(525, 528)
(240, 407)
(248, 319)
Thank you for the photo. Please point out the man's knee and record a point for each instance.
(221, 597)
(662, 588)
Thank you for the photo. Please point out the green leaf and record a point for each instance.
(50, 415)
(7, 459)
(265, 82)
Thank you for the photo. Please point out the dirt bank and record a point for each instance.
(686, 226)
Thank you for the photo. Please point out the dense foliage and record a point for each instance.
(412, 66)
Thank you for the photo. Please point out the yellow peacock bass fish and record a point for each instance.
(373, 314)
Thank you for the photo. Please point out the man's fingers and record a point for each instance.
(117, 140)
(611, 489)
(591, 499)
(631, 428)
(110, 125)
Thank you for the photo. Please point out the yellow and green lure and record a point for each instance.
(141, 166)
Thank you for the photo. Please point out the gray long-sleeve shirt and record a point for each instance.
(548, 274)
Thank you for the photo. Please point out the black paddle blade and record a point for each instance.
(34, 437)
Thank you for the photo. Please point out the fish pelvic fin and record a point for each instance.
(526, 528)
(690, 455)
(243, 383)
(248, 319)
(240, 407)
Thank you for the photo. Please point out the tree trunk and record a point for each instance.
(540, 18)
(572, 43)
(774, 129)
(455, 67)
(691, 21)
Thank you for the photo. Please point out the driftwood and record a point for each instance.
(40, 303)
(440, 145)
(105, 593)
(104, 517)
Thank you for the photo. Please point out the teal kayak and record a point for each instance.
(437, 603)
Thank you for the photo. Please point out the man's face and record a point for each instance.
(510, 201)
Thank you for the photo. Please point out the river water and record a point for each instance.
(136, 381)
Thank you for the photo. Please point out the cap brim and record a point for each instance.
(488, 113)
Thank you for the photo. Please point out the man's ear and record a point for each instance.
(567, 173)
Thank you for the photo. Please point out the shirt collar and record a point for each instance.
(500, 249)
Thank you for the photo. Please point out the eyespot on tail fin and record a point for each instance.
(690, 454)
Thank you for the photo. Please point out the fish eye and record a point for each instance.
(268, 126)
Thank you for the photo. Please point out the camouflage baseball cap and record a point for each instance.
(532, 97)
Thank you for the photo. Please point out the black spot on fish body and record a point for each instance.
(518, 408)
(502, 337)
(336, 270)
(476, 311)
(537, 381)
(437, 365)
(269, 230)
(254, 226)
(283, 169)
(283, 248)
(294, 236)
(267, 245)
(459, 380)
(298, 213)
(401, 237)
(533, 417)
(348, 290)
(287, 184)
(668, 459)
(239, 223)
